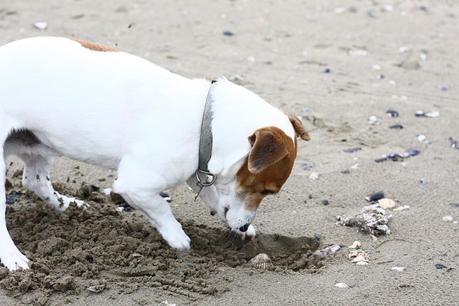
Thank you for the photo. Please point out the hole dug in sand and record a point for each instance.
(97, 248)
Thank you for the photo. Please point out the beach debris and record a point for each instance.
(40, 25)
(355, 245)
(432, 114)
(314, 176)
(261, 261)
(327, 70)
(409, 64)
(454, 143)
(455, 205)
(341, 285)
(328, 250)
(12, 197)
(374, 197)
(386, 203)
(405, 207)
(398, 156)
(372, 120)
(448, 218)
(228, 33)
(440, 266)
(325, 202)
(373, 219)
(397, 126)
(398, 269)
(422, 138)
(359, 257)
(352, 150)
(392, 113)
(97, 288)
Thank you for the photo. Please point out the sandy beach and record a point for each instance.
(340, 66)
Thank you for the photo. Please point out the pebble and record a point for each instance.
(432, 114)
(454, 143)
(355, 245)
(421, 137)
(314, 176)
(376, 196)
(372, 120)
(440, 266)
(398, 269)
(397, 126)
(327, 251)
(228, 33)
(455, 205)
(41, 25)
(392, 113)
(386, 203)
(325, 202)
(341, 285)
(448, 218)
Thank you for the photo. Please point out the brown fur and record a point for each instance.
(267, 167)
(95, 47)
(299, 129)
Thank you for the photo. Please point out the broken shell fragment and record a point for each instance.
(398, 269)
(386, 203)
(327, 251)
(355, 245)
(372, 120)
(261, 261)
(341, 285)
(432, 114)
(392, 113)
(41, 25)
(405, 207)
(448, 218)
(397, 126)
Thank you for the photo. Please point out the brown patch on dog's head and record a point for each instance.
(299, 128)
(267, 167)
(95, 47)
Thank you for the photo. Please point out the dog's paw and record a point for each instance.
(64, 202)
(177, 239)
(14, 261)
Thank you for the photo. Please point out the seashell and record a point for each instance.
(398, 269)
(261, 261)
(392, 113)
(386, 203)
(341, 285)
(41, 25)
(355, 245)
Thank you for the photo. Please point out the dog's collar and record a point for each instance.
(204, 178)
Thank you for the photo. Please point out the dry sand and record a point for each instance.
(334, 63)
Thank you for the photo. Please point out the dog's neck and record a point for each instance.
(238, 113)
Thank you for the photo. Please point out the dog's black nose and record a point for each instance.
(244, 228)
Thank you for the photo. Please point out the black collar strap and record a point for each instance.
(203, 177)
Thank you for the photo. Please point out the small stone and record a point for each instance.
(327, 70)
(327, 251)
(448, 218)
(432, 114)
(362, 263)
(352, 150)
(325, 202)
(453, 143)
(392, 113)
(341, 285)
(398, 269)
(409, 65)
(40, 25)
(314, 176)
(397, 126)
(440, 266)
(355, 245)
(228, 33)
(386, 203)
(375, 196)
(421, 137)
(455, 205)
(372, 120)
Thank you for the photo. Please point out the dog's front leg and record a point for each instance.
(160, 215)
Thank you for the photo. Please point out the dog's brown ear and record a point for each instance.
(299, 128)
(268, 147)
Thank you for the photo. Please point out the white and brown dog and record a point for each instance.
(95, 104)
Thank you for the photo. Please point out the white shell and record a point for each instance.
(341, 285)
(41, 25)
(261, 261)
(386, 203)
(355, 245)
(398, 269)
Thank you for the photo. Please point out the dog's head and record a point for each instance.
(264, 172)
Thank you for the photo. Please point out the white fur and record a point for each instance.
(122, 112)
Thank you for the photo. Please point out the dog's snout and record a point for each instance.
(244, 228)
